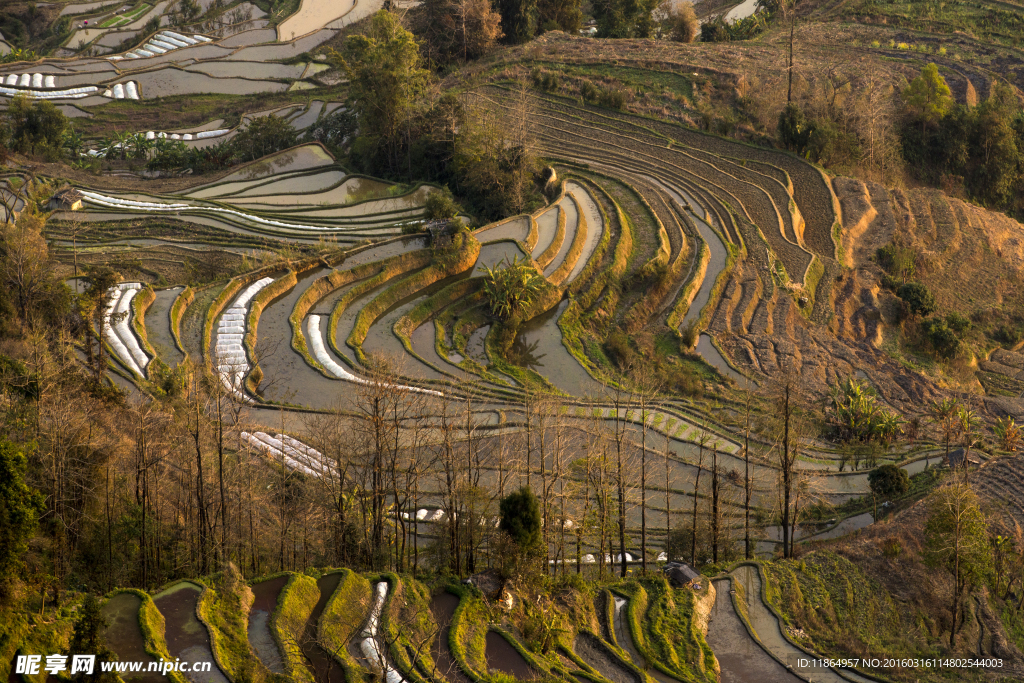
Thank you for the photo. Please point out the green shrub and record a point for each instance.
(545, 80)
(943, 338)
(511, 287)
(1008, 334)
(900, 262)
(888, 481)
(917, 298)
(618, 348)
(440, 205)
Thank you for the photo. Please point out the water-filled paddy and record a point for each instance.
(492, 254)
(501, 656)
(712, 356)
(547, 227)
(282, 51)
(805, 533)
(741, 659)
(186, 636)
(442, 606)
(260, 638)
(595, 227)
(383, 251)
(538, 346)
(422, 340)
(286, 375)
(381, 341)
(224, 69)
(309, 117)
(766, 626)
(158, 326)
(255, 36)
(302, 189)
(571, 225)
(514, 229)
(173, 81)
(324, 666)
(295, 159)
(123, 634)
(717, 249)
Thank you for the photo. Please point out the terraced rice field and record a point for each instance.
(123, 634)
(260, 638)
(187, 637)
(742, 235)
(319, 349)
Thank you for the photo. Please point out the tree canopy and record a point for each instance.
(20, 506)
(888, 481)
(386, 79)
(520, 518)
(928, 95)
(956, 540)
(264, 135)
(459, 30)
(36, 127)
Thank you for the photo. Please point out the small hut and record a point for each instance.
(681, 575)
(66, 199)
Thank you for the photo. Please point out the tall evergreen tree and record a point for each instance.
(517, 20)
(20, 506)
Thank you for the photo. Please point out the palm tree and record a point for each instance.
(1009, 434)
(511, 289)
(943, 414)
(889, 426)
(967, 424)
(139, 145)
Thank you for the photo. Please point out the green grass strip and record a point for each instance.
(295, 604)
(463, 259)
(549, 254)
(151, 621)
(467, 634)
(336, 279)
(342, 618)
